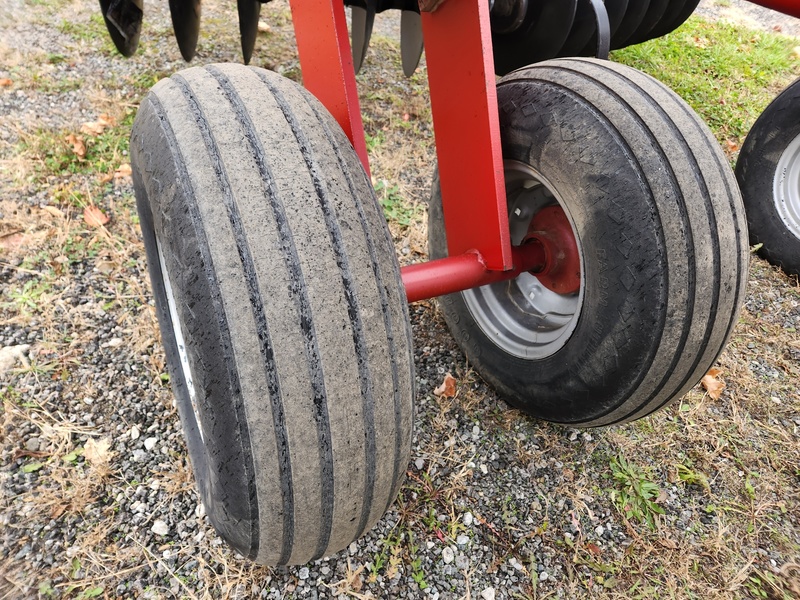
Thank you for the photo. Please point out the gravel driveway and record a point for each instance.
(97, 497)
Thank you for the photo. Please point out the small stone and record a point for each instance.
(476, 432)
(488, 594)
(114, 342)
(430, 544)
(599, 530)
(160, 527)
(33, 444)
(573, 435)
(353, 548)
(543, 576)
(150, 443)
(420, 464)
(515, 563)
(88, 400)
(199, 510)
(448, 555)
(303, 573)
(462, 540)
(468, 519)
(484, 470)
(587, 437)
(462, 562)
(139, 455)
(134, 433)
(325, 570)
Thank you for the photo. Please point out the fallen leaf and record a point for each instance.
(733, 146)
(124, 170)
(94, 217)
(78, 147)
(95, 128)
(6, 82)
(594, 549)
(106, 177)
(97, 452)
(668, 544)
(712, 385)
(448, 387)
(53, 211)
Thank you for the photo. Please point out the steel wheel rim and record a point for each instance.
(521, 316)
(180, 341)
(786, 187)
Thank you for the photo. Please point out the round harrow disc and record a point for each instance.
(616, 12)
(541, 36)
(583, 28)
(186, 25)
(634, 15)
(655, 12)
(675, 16)
(124, 23)
(249, 11)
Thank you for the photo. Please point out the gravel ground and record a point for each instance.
(96, 493)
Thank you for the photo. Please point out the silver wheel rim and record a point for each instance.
(179, 339)
(521, 316)
(786, 187)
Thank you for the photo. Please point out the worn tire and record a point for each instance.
(281, 307)
(768, 171)
(655, 208)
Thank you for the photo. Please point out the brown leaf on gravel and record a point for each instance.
(94, 217)
(97, 452)
(124, 170)
(78, 147)
(6, 82)
(666, 543)
(447, 388)
(594, 549)
(712, 385)
(95, 128)
(54, 211)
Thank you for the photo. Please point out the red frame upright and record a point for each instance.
(461, 78)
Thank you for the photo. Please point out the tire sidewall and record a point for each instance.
(756, 167)
(599, 365)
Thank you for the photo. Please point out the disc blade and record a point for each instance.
(186, 25)
(362, 19)
(411, 43)
(124, 23)
(248, 25)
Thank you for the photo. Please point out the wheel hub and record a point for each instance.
(534, 315)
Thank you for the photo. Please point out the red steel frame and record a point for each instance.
(461, 78)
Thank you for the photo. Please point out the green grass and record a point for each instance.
(727, 73)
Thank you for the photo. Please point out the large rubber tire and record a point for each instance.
(281, 307)
(768, 170)
(658, 219)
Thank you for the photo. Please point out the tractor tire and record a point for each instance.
(659, 225)
(281, 307)
(768, 171)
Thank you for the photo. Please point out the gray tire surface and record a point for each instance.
(659, 218)
(287, 294)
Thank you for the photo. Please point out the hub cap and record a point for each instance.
(524, 316)
(786, 187)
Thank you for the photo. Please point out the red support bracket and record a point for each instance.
(326, 62)
(458, 51)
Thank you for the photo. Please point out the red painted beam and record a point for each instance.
(458, 53)
(465, 271)
(326, 63)
(787, 7)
